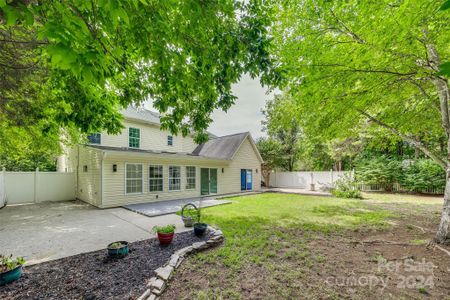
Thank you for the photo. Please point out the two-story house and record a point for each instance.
(144, 163)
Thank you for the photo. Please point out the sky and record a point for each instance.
(245, 114)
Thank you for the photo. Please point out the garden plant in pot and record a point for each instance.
(190, 214)
(10, 269)
(200, 228)
(165, 233)
(118, 249)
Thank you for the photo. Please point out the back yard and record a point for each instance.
(293, 247)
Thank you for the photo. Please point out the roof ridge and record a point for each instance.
(228, 135)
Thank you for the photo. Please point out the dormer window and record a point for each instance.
(134, 137)
(169, 140)
(95, 138)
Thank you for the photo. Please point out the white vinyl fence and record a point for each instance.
(304, 179)
(396, 187)
(36, 187)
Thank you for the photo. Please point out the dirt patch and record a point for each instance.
(362, 264)
(95, 276)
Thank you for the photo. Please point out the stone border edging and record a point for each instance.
(158, 283)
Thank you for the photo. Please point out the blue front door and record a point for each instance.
(246, 179)
(243, 180)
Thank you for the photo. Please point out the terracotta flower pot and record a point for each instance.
(165, 238)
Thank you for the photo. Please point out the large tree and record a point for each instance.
(355, 63)
(271, 151)
(102, 55)
(281, 125)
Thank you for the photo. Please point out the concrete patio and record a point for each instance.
(153, 209)
(52, 230)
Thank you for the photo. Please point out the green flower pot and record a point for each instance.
(118, 252)
(11, 275)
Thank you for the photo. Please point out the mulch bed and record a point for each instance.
(94, 275)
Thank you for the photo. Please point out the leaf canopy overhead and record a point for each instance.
(103, 55)
(344, 58)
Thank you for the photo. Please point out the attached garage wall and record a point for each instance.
(89, 181)
(245, 158)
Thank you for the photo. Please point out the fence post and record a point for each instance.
(36, 175)
(312, 186)
(3, 199)
(331, 175)
(353, 174)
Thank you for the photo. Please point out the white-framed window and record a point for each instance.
(95, 138)
(155, 178)
(169, 140)
(190, 177)
(134, 137)
(174, 178)
(133, 178)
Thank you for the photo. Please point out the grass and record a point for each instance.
(257, 227)
(274, 234)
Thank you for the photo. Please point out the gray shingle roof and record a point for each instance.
(223, 147)
(134, 150)
(141, 114)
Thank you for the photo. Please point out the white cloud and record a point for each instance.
(245, 114)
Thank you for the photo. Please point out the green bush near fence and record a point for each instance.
(346, 187)
(420, 175)
(381, 170)
(423, 175)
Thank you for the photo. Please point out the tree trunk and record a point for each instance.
(265, 172)
(441, 84)
(443, 233)
(267, 179)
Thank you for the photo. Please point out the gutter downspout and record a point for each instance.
(102, 169)
(77, 185)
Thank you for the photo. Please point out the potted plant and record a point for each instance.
(200, 229)
(165, 233)
(10, 269)
(118, 249)
(190, 214)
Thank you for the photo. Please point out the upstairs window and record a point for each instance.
(174, 178)
(155, 175)
(133, 178)
(169, 140)
(134, 137)
(94, 138)
(190, 177)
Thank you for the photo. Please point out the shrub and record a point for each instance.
(380, 170)
(7, 263)
(422, 175)
(346, 187)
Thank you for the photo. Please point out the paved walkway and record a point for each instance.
(169, 207)
(47, 231)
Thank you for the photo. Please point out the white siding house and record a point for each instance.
(144, 163)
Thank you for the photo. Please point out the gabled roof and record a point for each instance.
(141, 114)
(220, 148)
(224, 147)
(144, 115)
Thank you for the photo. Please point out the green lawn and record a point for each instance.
(253, 224)
(273, 239)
